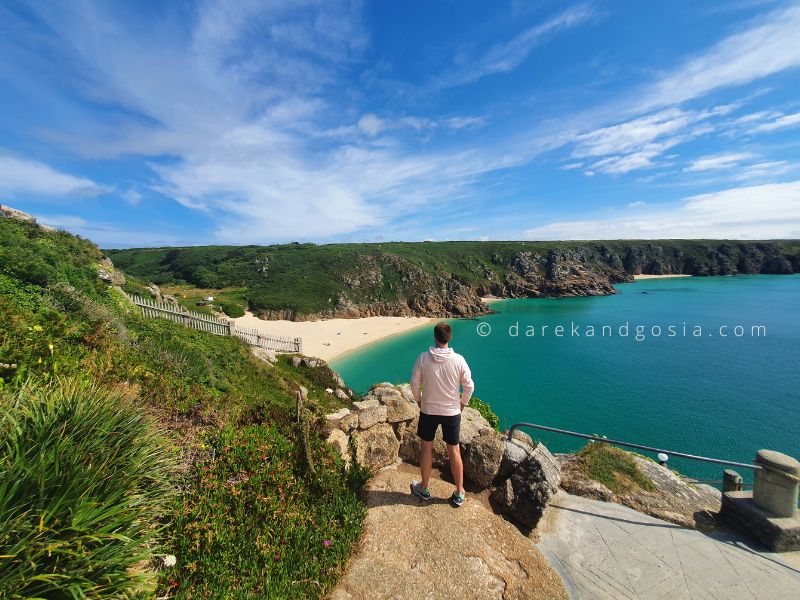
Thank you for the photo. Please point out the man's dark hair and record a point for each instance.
(442, 332)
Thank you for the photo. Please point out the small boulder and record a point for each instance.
(111, 276)
(370, 412)
(405, 391)
(397, 407)
(514, 452)
(473, 424)
(525, 494)
(296, 361)
(482, 458)
(268, 356)
(341, 394)
(376, 447)
(342, 419)
(341, 443)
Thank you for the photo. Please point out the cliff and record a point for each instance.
(442, 279)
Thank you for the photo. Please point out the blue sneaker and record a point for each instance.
(457, 499)
(416, 489)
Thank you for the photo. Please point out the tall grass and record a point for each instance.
(83, 482)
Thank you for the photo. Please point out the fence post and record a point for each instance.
(231, 328)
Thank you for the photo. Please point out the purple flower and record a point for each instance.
(327, 543)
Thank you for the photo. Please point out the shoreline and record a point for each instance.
(331, 339)
(646, 277)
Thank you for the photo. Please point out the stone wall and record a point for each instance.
(381, 429)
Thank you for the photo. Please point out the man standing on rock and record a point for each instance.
(442, 374)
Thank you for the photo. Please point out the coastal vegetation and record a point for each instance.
(301, 281)
(613, 467)
(229, 488)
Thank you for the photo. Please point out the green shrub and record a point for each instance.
(485, 410)
(613, 467)
(233, 310)
(83, 482)
(254, 525)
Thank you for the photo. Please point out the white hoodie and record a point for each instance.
(441, 373)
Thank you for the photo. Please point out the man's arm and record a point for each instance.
(467, 385)
(416, 380)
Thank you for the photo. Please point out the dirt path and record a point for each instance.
(412, 549)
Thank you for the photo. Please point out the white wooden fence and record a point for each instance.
(196, 320)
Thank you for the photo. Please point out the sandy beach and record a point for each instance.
(331, 338)
(642, 277)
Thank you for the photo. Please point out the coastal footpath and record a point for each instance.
(299, 282)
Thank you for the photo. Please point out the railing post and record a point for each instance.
(777, 482)
(731, 481)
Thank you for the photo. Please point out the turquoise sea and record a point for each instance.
(706, 394)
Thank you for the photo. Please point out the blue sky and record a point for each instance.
(151, 123)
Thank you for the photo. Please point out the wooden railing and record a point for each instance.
(196, 320)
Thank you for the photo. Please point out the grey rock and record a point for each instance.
(296, 361)
(370, 412)
(472, 425)
(397, 407)
(341, 394)
(268, 356)
(376, 447)
(341, 443)
(482, 458)
(111, 276)
(334, 420)
(405, 391)
(524, 495)
(514, 452)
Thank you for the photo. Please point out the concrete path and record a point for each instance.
(608, 551)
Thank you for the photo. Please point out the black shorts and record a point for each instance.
(451, 427)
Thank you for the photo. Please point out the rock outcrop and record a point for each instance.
(672, 499)
(383, 430)
(411, 549)
(525, 494)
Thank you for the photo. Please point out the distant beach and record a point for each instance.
(642, 277)
(331, 338)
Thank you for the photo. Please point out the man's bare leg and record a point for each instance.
(456, 466)
(426, 461)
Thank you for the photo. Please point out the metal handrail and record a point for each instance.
(629, 445)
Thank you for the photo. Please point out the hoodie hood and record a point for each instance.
(441, 354)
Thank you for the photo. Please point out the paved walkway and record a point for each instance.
(608, 551)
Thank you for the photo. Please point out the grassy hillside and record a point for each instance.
(438, 278)
(242, 511)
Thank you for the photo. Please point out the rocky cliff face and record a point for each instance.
(388, 285)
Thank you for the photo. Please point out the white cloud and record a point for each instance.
(261, 141)
(635, 144)
(752, 212)
(718, 161)
(19, 176)
(132, 196)
(768, 46)
(507, 56)
(371, 124)
(637, 204)
(779, 123)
